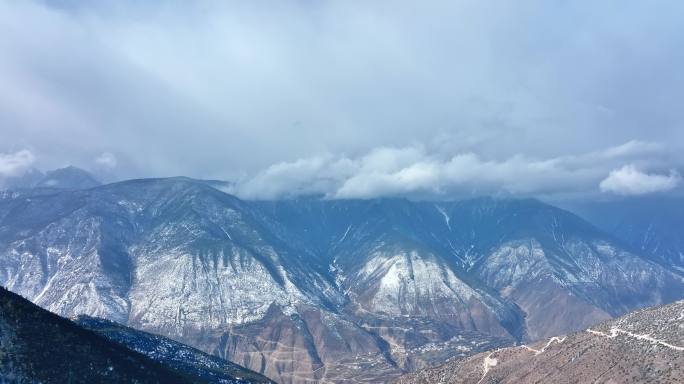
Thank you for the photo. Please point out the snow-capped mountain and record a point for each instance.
(518, 251)
(311, 289)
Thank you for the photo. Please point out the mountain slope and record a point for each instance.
(535, 268)
(651, 226)
(38, 346)
(564, 273)
(182, 358)
(643, 346)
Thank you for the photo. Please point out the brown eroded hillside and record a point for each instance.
(646, 346)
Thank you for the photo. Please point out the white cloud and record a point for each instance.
(630, 148)
(106, 160)
(14, 164)
(416, 171)
(628, 180)
(315, 175)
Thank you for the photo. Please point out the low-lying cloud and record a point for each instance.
(106, 160)
(414, 171)
(629, 180)
(14, 164)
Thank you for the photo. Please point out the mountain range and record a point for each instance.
(314, 290)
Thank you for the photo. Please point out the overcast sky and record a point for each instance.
(435, 99)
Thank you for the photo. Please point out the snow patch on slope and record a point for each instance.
(513, 263)
(407, 283)
(227, 288)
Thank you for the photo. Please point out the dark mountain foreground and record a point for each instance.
(646, 346)
(37, 346)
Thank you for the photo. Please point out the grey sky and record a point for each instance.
(350, 98)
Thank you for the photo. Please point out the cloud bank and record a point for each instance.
(415, 172)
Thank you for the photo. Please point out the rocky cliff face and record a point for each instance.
(644, 346)
(311, 290)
